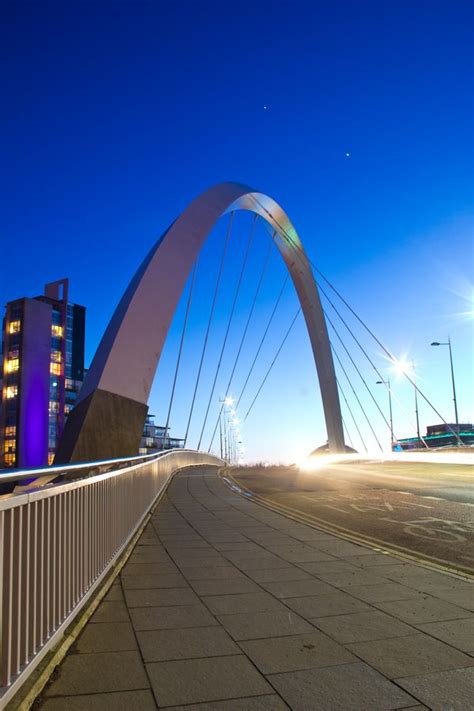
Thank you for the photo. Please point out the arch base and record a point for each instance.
(83, 438)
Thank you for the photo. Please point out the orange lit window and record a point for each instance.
(11, 391)
(57, 330)
(50, 457)
(10, 431)
(14, 327)
(10, 460)
(55, 368)
(9, 445)
(56, 356)
(12, 365)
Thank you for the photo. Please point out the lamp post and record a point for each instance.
(448, 343)
(387, 383)
(416, 402)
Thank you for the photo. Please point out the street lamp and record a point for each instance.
(387, 383)
(448, 343)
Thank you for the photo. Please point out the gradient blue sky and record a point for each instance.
(115, 115)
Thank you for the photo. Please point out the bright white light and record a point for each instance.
(402, 366)
(236, 421)
(322, 460)
(229, 401)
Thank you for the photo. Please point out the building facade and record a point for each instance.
(440, 436)
(154, 439)
(43, 370)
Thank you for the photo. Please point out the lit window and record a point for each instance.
(11, 391)
(57, 330)
(50, 457)
(10, 460)
(10, 431)
(56, 356)
(55, 368)
(14, 327)
(9, 445)
(12, 365)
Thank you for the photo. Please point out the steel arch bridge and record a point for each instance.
(109, 416)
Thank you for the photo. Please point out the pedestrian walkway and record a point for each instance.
(227, 606)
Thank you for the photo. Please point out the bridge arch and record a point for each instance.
(112, 405)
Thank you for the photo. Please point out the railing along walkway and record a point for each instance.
(225, 605)
(61, 531)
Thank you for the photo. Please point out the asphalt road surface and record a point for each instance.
(422, 509)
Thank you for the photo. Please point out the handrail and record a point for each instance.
(7, 475)
(58, 542)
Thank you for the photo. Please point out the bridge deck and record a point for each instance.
(225, 605)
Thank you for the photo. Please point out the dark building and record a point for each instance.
(43, 370)
(440, 436)
(154, 439)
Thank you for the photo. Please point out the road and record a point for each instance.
(425, 510)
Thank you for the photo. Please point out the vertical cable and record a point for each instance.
(188, 306)
(273, 362)
(206, 338)
(242, 340)
(356, 396)
(229, 323)
(262, 340)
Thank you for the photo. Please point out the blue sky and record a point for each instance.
(117, 114)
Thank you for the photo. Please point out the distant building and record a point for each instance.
(154, 439)
(43, 370)
(440, 436)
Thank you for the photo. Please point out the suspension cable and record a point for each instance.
(206, 338)
(383, 381)
(341, 390)
(357, 369)
(262, 340)
(244, 334)
(390, 356)
(231, 316)
(356, 396)
(348, 434)
(273, 362)
(180, 351)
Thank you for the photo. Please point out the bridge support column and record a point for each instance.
(102, 426)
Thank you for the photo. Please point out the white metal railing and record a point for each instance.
(58, 542)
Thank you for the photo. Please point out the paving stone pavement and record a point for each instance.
(225, 605)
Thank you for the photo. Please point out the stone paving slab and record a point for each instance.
(98, 673)
(410, 655)
(227, 606)
(306, 651)
(383, 592)
(107, 637)
(114, 701)
(197, 680)
(165, 618)
(297, 588)
(274, 575)
(257, 625)
(347, 686)
(190, 643)
(244, 602)
(337, 603)
(451, 690)
(254, 703)
(457, 633)
(161, 597)
(423, 609)
(362, 626)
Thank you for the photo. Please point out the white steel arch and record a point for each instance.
(108, 418)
